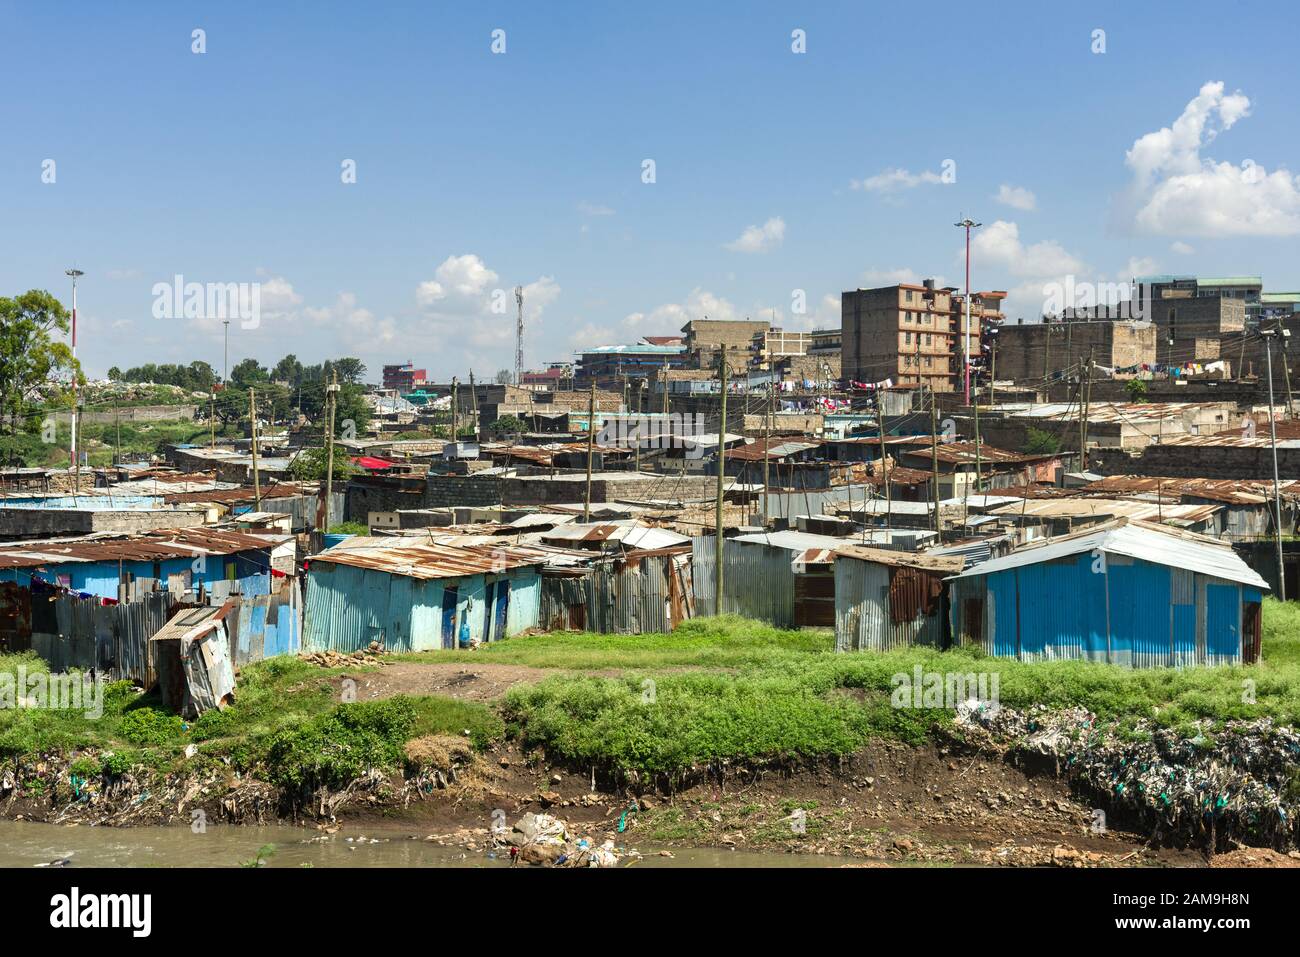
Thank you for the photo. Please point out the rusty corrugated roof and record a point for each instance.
(413, 558)
(151, 546)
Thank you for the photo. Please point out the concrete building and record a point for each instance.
(609, 367)
(1036, 350)
(705, 338)
(912, 334)
(404, 377)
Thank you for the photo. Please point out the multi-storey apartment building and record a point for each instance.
(912, 334)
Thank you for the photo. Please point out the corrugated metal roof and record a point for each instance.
(1232, 491)
(413, 558)
(1083, 507)
(793, 541)
(152, 546)
(881, 556)
(1141, 540)
(628, 533)
(759, 449)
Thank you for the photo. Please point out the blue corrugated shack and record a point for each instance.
(412, 594)
(1127, 592)
(99, 567)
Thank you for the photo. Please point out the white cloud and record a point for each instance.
(458, 279)
(468, 297)
(590, 334)
(999, 244)
(1140, 266)
(1175, 191)
(889, 277)
(894, 179)
(594, 209)
(670, 317)
(1017, 197)
(1181, 248)
(760, 239)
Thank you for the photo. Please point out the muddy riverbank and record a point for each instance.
(889, 804)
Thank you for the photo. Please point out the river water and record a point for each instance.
(27, 844)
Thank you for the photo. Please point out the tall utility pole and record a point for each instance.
(1086, 386)
(212, 415)
(225, 372)
(473, 404)
(1277, 495)
(252, 422)
(884, 460)
(934, 459)
(722, 470)
(665, 393)
(767, 447)
(331, 390)
(455, 394)
(519, 335)
(967, 224)
(74, 273)
(591, 448)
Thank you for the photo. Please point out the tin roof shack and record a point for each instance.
(787, 578)
(179, 559)
(963, 468)
(413, 595)
(635, 591)
(1247, 505)
(887, 599)
(1049, 517)
(1127, 593)
(191, 655)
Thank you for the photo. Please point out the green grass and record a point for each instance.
(287, 723)
(786, 695)
(716, 691)
(721, 643)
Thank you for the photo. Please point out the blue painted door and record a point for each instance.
(449, 596)
(503, 610)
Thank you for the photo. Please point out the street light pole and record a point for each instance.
(225, 373)
(74, 273)
(968, 224)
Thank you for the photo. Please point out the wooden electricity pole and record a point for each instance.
(722, 469)
(473, 404)
(1083, 416)
(331, 391)
(767, 446)
(884, 459)
(252, 418)
(455, 394)
(591, 447)
(934, 458)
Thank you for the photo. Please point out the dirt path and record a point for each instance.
(476, 682)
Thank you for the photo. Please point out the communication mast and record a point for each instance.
(519, 335)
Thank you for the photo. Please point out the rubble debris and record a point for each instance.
(545, 839)
(1220, 786)
(330, 658)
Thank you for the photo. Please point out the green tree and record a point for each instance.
(1041, 442)
(33, 363)
(115, 374)
(508, 425)
(310, 465)
(249, 372)
(1136, 389)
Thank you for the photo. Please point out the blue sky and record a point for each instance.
(774, 171)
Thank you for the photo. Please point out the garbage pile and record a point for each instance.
(1235, 783)
(545, 839)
